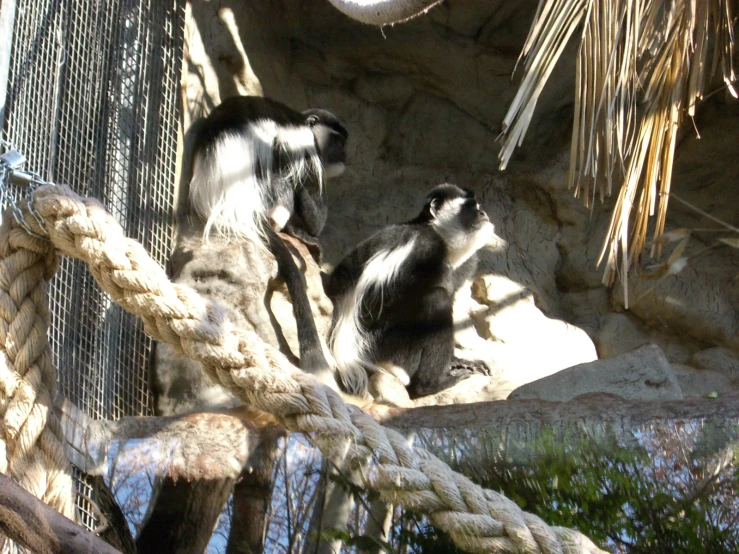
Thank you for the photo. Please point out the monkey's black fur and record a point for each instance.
(281, 149)
(234, 116)
(407, 317)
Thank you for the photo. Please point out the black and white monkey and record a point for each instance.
(393, 296)
(260, 164)
(260, 167)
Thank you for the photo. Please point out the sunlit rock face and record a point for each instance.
(424, 102)
(642, 374)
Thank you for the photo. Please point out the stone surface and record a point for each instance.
(697, 302)
(721, 360)
(510, 318)
(643, 374)
(387, 389)
(701, 382)
(621, 332)
(476, 388)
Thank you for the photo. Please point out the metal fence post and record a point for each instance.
(7, 18)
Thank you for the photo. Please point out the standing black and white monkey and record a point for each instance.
(260, 167)
(393, 296)
(259, 164)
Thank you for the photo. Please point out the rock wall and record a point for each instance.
(423, 102)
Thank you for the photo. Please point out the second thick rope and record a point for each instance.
(32, 448)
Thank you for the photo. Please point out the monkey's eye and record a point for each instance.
(312, 120)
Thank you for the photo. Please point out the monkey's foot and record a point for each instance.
(460, 371)
(460, 366)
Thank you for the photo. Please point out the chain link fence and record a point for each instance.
(92, 101)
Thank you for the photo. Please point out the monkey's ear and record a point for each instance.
(435, 206)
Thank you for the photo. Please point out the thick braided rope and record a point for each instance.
(477, 519)
(32, 448)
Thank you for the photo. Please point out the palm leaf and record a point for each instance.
(641, 66)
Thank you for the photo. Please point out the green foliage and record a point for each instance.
(664, 489)
(628, 499)
(715, 437)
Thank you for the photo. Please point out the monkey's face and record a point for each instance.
(456, 216)
(330, 137)
(461, 217)
(451, 206)
(471, 217)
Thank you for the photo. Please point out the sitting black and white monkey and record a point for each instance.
(259, 164)
(393, 296)
(260, 167)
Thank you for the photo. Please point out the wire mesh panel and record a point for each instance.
(92, 102)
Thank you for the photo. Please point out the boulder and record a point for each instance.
(643, 374)
(387, 389)
(476, 388)
(701, 382)
(622, 332)
(698, 302)
(721, 360)
(532, 344)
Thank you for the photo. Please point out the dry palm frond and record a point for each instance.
(641, 65)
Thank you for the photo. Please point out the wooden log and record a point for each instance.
(29, 522)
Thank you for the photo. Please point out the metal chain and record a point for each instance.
(24, 182)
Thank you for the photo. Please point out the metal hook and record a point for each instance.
(10, 163)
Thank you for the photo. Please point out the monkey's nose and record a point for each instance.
(483, 215)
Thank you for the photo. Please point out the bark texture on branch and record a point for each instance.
(600, 408)
(203, 445)
(38, 527)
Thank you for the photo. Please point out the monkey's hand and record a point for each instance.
(460, 366)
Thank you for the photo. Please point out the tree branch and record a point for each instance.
(34, 525)
(203, 445)
(219, 444)
(597, 408)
